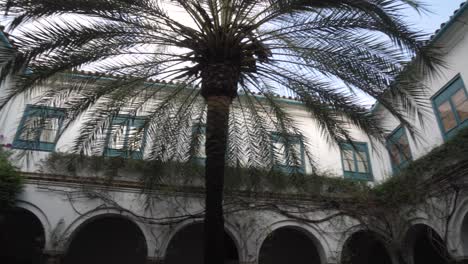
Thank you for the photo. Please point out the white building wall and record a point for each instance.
(453, 43)
(326, 155)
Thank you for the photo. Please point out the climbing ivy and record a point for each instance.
(174, 175)
(10, 181)
(443, 166)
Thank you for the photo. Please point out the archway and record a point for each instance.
(289, 245)
(187, 247)
(365, 247)
(426, 246)
(21, 237)
(108, 239)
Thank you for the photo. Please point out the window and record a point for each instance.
(199, 135)
(126, 137)
(451, 107)
(356, 162)
(399, 149)
(288, 152)
(39, 128)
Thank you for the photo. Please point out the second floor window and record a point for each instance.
(451, 107)
(288, 152)
(356, 161)
(126, 137)
(399, 149)
(39, 128)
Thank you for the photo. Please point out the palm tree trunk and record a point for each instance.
(216, 142)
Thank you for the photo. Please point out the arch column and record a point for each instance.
(53, 257)
(154, 260)
(251, 250)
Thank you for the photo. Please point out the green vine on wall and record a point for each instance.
(155, 174)
(10, 181)
(440, 169)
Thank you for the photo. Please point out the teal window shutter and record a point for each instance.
(126, 137)
(399, 149)
(356, 161)
(288, 152)
(40, 128)
(451, 107)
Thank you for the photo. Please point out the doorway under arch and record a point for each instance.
(365, 247)
(108, 239)
(187, 247)
(289, 245)
(426, 246)
(22, 237)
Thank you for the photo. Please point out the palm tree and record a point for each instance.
(227, 52)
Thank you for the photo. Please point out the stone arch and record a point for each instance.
(422, 221)
(346, 235)
(424, 245)
(104, 222)
(23, 237)
(42, 218)
(230, 233)
(79, 222)
(364, 246)
(315, 237)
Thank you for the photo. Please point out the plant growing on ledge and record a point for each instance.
(225, 52)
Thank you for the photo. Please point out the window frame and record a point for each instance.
(392, 139)
(356, 146)
(443, 95)
(277, 137)
(125, 152)
(39, 110)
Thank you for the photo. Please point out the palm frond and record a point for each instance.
(322, 52)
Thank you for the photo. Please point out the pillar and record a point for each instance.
(153, 260)
(53, 257)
